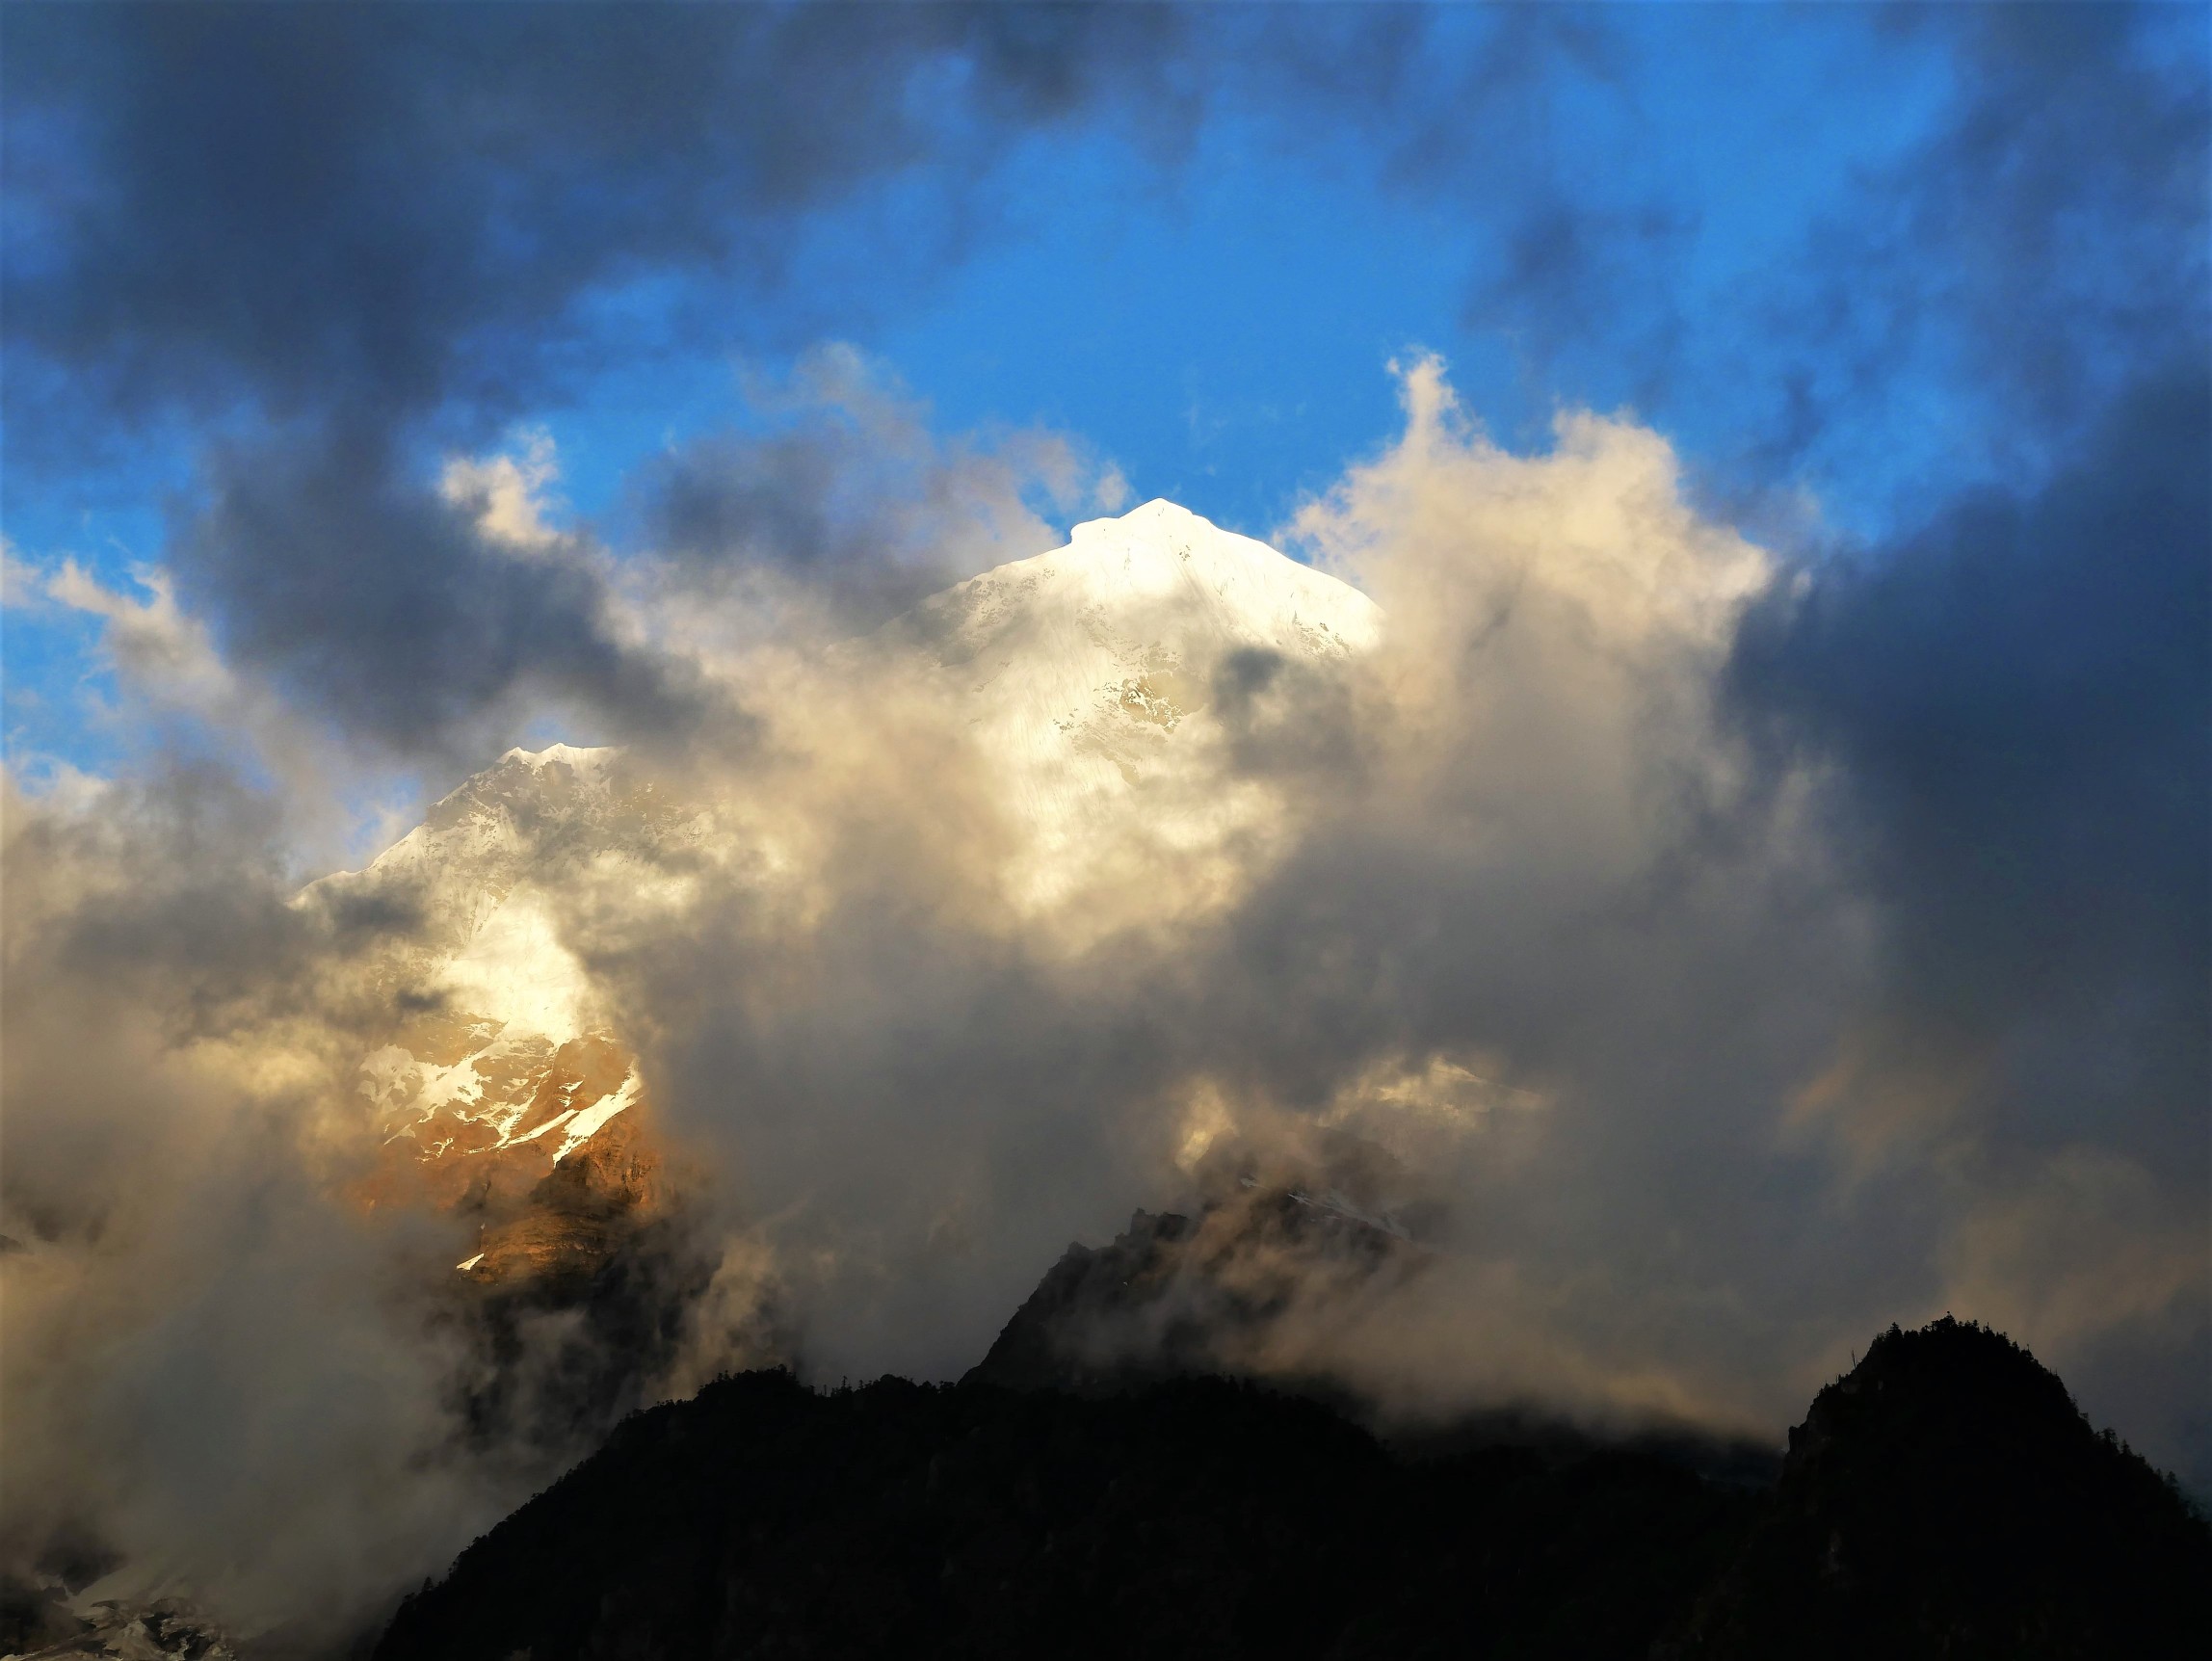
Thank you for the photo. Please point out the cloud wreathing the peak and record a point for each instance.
(1718, 952)
(435, 617)
(201, 1334)
(1549, 899)
(846, 490)
(404, 612)
(1508, 897)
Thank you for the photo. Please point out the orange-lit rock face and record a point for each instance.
(451, 1089)
(547, 1148)
(500, 1093)
(572, 1218)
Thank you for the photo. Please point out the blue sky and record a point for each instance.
(1645, 210)
(1921, 295)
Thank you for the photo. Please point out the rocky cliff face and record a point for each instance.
(500, 1068)
(1212, 1292)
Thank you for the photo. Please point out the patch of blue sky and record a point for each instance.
(54, 694)
(1215, 320)
(1219, 332)
(111, 519)
(1219, 327)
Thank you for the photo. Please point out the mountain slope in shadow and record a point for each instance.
(1944, 1499)
(1198, 1516)
(1174, 1296)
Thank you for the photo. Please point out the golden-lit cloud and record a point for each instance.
(1460, 904)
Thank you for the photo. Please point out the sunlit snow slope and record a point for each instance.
(1095, 676)
(500, 1068)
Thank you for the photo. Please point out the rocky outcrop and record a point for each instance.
(1176, 1295)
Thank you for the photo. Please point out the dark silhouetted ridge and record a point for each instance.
(1946, 1498)
(1192, 1518)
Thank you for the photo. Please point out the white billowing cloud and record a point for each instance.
(173, 692)
(1592, 898)
(209, 1354)
(1558, 623)
(1498, 900)
(1599, 526)
(218, 1357)
(163, 652)
(505, 494)
(1501, 904)
(1532, 930)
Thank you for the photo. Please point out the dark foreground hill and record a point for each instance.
(1198, 1516)
(1945, 1499)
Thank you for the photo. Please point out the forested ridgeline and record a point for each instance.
(1945, 1498)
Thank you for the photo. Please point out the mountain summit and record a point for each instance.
(1945, 1497)
(1155, 589)
(1097, 676)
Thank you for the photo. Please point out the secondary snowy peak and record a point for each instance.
(498, 1062)
(500, 815)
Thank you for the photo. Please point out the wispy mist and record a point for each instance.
(1516, 902)
(1709, 934)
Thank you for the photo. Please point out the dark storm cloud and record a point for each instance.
(768, 500)
(389, 608)
(2046, 242)
(2040, 245)
(810, 504)
(349, 233)
(376, 222)
(390, 211)
(383, 206)
(842, 486)
(1482, 107)
(2020, 695)
(2071, 193)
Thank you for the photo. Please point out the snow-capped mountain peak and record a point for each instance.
(1091, 676)
(1160, 579)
